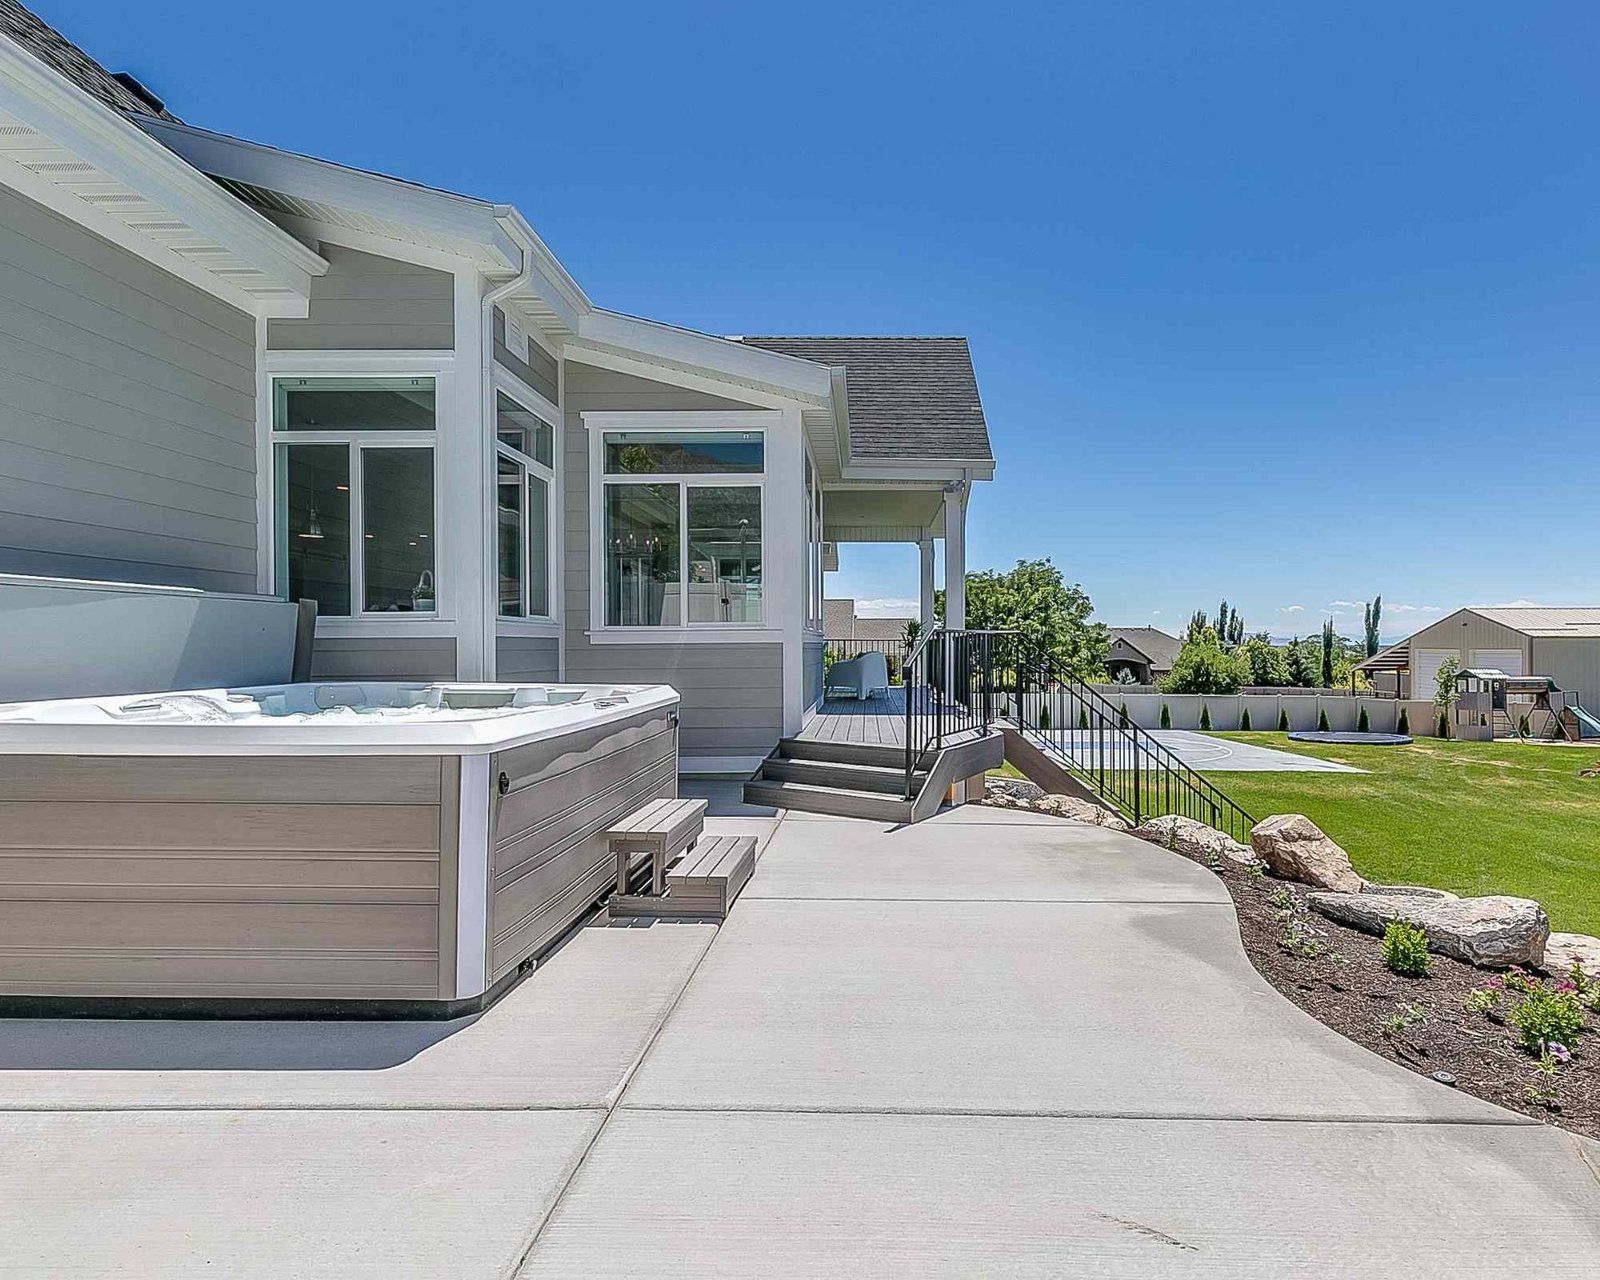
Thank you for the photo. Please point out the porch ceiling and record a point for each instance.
(894, 514)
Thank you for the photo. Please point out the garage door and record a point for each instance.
(1507, 660)
(1425, 664)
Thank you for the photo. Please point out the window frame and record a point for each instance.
(532, 469)
(355, 440)
(763, 423)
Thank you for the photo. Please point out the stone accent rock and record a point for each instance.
(1492, 932)
(1188, 836)
(1008, 793)
(1295, 848)
(1409, 891)
(1564, 950)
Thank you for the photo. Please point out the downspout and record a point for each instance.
(488, 596)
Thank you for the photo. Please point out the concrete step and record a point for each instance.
(837, 801)
(850, 777)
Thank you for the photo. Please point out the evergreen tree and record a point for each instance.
(1083, 718)
(1322, 719)
(1221, 624)
(1374, 621)
(1363, 724)
(1403, 725)
(1295, 662)
(1283, 720)
(1244, 720)
(1166, 717)
(1327, 654)
(1122, 716)
(1235, 629)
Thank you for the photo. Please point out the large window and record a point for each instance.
(525, 456)
(353, 463)
(681, 528)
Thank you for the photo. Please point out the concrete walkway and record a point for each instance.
(990, 1044)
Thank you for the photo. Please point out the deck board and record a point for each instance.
(877, 721)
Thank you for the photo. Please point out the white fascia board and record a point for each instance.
(49, 103)
(463, 222)
(548, 279)
(800, 379)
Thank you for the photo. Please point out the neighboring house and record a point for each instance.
(1562, 643)
(1141, 654)
(841, 623)
(227, 366)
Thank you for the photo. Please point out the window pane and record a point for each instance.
(538, 547)
(642, 575)
(354, 404)
(683, 453)
(524, 430)
(314, 525)
(509, 518)
(725, 554)
(397, 529)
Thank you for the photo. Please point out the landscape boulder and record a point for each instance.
(1492, 933)
(1081, 810)
(1295, 848)
(1188, 836)
(1564, 950)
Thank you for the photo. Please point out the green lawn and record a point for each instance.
(1471, 817)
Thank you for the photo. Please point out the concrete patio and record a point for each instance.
(993, 1043)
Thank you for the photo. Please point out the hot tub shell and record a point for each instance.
(305, 863)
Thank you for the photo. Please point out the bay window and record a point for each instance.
(524, 472)
(681, 526)
(353, 475)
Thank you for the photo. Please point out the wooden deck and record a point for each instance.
(876, 721)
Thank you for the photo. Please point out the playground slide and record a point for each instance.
(1588, 726)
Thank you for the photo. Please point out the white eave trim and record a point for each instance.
(52, 106)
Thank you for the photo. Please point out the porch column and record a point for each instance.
(955, 557)
(925, 547)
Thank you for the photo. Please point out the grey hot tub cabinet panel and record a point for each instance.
(549, 860)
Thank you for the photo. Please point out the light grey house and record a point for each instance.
(229, 367)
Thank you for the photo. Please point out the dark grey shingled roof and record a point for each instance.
(53, 49)
(909, 397)
(1158, 646)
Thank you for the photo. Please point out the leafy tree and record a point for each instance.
(1327, 654)
(1298, 668)
(1220, 626)
(1235, 630)
(1202, 667)
(1373, 619)
(1050, 616)
(1199, 624)
(1166, 717)
(1268, 667)
(1444, 692)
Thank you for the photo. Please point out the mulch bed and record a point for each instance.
(1346, 986)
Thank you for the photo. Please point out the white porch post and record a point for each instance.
(955, 557)
(925, 547)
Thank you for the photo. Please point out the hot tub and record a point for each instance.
(359, 848)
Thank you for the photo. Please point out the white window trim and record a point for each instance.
(437, 365)
(504, 380)
(596, 424)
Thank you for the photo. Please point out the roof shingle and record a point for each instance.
(58, 53)
(909, 397)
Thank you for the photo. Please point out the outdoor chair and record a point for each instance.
(860, 677)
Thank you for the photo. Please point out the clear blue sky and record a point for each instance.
(1282, 302)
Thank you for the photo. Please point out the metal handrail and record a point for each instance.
(1138, 775)
(949, 679)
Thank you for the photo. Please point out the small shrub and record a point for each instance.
(1405, 949)
(1122, 716)
(1083, 717)
(1205, 718)
(1484, 1000)
(1166, 717)
(1403, 725)
(1546, 1016)
(1404, 1017)
(1322, 720)
(1244, 720)
(1363, 724)
(1283, 720)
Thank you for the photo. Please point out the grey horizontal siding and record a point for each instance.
(127, 414)
(534, 659)
(368, 303)
(534, 365)
(384, 658)
(813, 665)
(732, 694)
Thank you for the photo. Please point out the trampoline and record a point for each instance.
(1352, 739)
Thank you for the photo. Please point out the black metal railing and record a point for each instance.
(1124, 765)
(951, 686)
